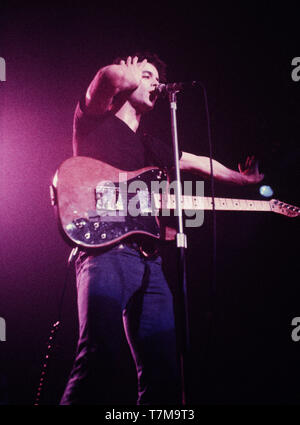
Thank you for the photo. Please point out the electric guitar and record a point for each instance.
(98, 205)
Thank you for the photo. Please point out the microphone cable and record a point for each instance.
(212, 184)
(55, 327)
(210, 315)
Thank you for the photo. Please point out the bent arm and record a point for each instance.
(201, 165)
(110, 81)
(103, 88)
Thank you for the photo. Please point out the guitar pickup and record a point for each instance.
(108, 198)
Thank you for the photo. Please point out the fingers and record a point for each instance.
(249, 163)
(141, 64)
(128, 61)
(133, 61)
(250, 170)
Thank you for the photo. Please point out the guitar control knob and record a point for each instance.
(103, 235)
(159, 175)
(80, 223)
(87, 235)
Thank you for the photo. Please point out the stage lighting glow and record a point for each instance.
(266, 191)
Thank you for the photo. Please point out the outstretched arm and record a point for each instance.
(247, 174)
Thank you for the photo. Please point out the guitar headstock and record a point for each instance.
(283, 208)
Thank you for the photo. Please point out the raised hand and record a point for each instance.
(250, 171)
(131, 73)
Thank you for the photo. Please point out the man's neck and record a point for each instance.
(129, 115)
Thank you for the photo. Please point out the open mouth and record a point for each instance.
(152, 95)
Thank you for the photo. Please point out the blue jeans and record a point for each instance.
(121, 290)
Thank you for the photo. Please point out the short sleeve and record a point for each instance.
(159, 153)
(83, 123)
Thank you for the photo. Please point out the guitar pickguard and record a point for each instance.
(119, 209)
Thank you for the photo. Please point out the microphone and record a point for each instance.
(163, 89)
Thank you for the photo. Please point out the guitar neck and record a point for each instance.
(206, 203)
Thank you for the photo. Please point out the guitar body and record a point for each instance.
(86, 193)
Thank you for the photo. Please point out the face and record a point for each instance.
(144, 97)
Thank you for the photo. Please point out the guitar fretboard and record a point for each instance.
(206, 203)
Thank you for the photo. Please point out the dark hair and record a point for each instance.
(153, 59)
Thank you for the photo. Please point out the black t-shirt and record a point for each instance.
(112, 141)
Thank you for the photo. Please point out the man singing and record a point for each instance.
(122, 290)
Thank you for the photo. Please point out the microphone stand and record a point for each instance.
(181, 243)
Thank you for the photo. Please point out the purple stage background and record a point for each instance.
(243, 353)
